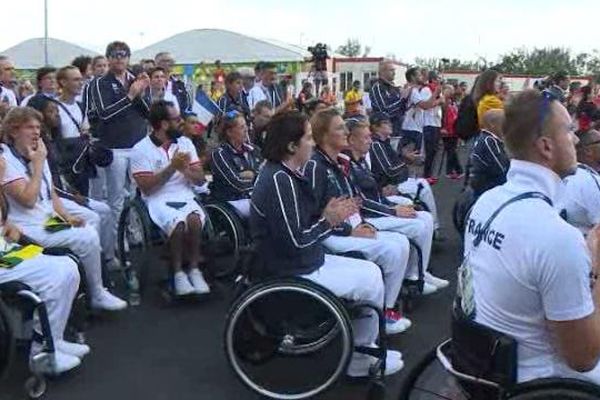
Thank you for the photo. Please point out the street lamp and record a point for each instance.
(46, 32)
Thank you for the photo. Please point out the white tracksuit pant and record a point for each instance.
(419, 229)
(411, 186)
(242, 206)
(83, 242)
(55, 280)
(98, 216)
(98, 185)
(389, 250)
(354, 280)
(118, 184)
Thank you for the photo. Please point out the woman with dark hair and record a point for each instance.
(486, 93)
(305, 95)
(234, 164)
(288, 226)
(587, 111)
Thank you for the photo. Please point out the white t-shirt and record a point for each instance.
(148, 158)
(581, 199)
(8, 96)
(530, 267)
(17, 170)
(256, 94)
(413, 120)
(431, 116)
(68, 128)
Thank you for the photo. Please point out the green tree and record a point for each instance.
(352, 48)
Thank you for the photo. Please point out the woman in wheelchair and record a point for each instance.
(289, 229)
(391, 172)
(384, 214)
(55, 279)
(328, 174)
(165, 167)
(234, 164)
(96, 213)
(36, 208)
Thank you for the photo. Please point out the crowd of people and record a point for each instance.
(315, 179)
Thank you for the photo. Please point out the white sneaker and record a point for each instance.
(435, 281)
(428, 288)
(74, 349)
(361, 364)
(182, 284)
(62, 363)
(395, 323)
(198, 282)
(108, 302)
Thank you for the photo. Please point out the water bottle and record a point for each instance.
(134, 291)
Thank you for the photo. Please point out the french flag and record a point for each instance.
(204, 108)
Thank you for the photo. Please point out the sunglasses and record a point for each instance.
(547, 99)
(119, 54)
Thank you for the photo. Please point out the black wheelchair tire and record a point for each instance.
(8, 343)
(554, 389)
(305, 287)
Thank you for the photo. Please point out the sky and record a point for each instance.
(466, 29)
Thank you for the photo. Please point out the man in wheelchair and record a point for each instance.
(234, 163)
(165, 167)
(392, 172)
(527, 273)
(289, 229)
(54, 279)
(38, 211)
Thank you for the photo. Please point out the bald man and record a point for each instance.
(488, 162)
(386, 98)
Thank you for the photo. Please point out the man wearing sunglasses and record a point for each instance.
(527, 273)
(580, 202)
(122, 108)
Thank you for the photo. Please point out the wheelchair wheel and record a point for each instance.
(134, 241)
(7, 341)
(430, 381)
(228, 235)
(554, 389)
(35, 387)
(288, 339)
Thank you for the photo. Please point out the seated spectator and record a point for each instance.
(580, 198)
(261, 115)
(288, 228)
(314, 106)
(234, 164)
(386, 215)
(488, 162)
(96, 213)
(54, 279)
(392, 173)
(328, 174)
(37, 209)
(194, 130)
(527, 273)
(164, 166)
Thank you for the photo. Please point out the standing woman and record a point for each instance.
(449, 115)
(288, 229)
(306, 94)
(486, 93)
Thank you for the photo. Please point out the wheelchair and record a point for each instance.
(280, 351)
(463, 369)
(140, 243)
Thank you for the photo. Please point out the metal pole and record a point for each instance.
(46, 32)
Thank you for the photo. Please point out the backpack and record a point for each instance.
(466, 125)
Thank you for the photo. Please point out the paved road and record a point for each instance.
(159, 352)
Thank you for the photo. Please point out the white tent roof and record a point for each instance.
(30, 53)
(208, 45)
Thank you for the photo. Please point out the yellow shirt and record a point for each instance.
(488, 102)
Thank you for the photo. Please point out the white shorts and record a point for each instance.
(167, 217)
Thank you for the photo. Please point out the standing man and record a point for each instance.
(122, 111)
(45, 78)
(267, 89)
(233, 98)
(166, 61)
(432, 123)
(559, 85)
(8, 98)
(387, 98)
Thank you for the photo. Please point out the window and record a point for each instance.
(367, 76)
(345, 81)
